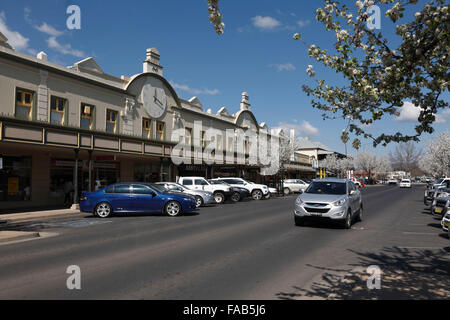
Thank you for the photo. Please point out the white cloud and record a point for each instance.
(283, 67)
(47, 29)
(410, 113)
(304, 128)
(265, 23)
(303, 23)
(64, 48)
(15, 39)
(186, 88)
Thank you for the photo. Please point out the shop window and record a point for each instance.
(160, 131)
(57, 110)
(24, 104)
(146, 128)
(87, 116)
(111, 121)
(144, 172)
(15, 179)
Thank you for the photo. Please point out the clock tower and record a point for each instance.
(151, 63)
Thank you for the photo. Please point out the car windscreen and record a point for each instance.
(322, 187)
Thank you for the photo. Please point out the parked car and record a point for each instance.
(405, 183)
(392, 181)
(430, 194)
(441, 204)
(135, 197)
(201, 197)
(294, 185)
(221, 192)
(238, 193)
(331, 199)
(258, 191)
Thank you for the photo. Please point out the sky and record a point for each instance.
(256, 54)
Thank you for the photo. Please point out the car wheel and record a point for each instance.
(299, 222)
(287, 191)
(198, 201)
(219, 197)
(348, 220)
(103, 210)
(172, 208)
(360, 214)
(257, 194)
(235, 197)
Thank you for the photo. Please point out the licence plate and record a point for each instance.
(317, 214)
(447, 223)
(438, 210)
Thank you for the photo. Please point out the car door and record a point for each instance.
(200, 184)
(188, 183)
(145, 199)
(119, 196)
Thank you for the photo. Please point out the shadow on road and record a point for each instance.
(405, 274)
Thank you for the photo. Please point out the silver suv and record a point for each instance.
(329, 199)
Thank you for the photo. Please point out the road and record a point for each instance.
(247, 250)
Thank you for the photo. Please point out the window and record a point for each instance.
(122, 188)
(219, 142)
(57, 109)
(111, 121)
(140, 189)
(24, 104)
(188, 137)
(160, 131)
(200, 182)
(187, 182)
(15, 179)
(230, 144)
(146, 128)
(87, 112)
(203, 142)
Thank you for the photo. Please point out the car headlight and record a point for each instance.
(339, 202)
(298, 201)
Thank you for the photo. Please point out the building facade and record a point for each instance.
(79, 128)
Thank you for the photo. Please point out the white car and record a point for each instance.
(220, 191)
(405, 183)
(258, 191)
(294, 185)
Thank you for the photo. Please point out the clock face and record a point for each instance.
(154, 97)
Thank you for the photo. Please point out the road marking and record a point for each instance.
(427, 233)
(439, 248)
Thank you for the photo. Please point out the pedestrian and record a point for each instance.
(68, 191)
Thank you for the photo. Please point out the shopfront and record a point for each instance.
(15, 178)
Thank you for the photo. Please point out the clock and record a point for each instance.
(154, 97)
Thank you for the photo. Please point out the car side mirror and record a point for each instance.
(352, 192)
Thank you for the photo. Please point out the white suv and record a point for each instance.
(294, 185)
(220, 191)
(258, 191)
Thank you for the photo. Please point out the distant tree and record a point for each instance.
(436, 161)
(405, 157)
(338, 166)
(371, 163)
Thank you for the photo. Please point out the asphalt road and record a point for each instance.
(248, 250)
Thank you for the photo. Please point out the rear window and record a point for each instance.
(321, 187)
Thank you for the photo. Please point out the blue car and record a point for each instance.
(135, 197)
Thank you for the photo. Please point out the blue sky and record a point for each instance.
(255, 54)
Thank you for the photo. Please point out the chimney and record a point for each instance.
(151, 63)
(42, 56)
(245, 104)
